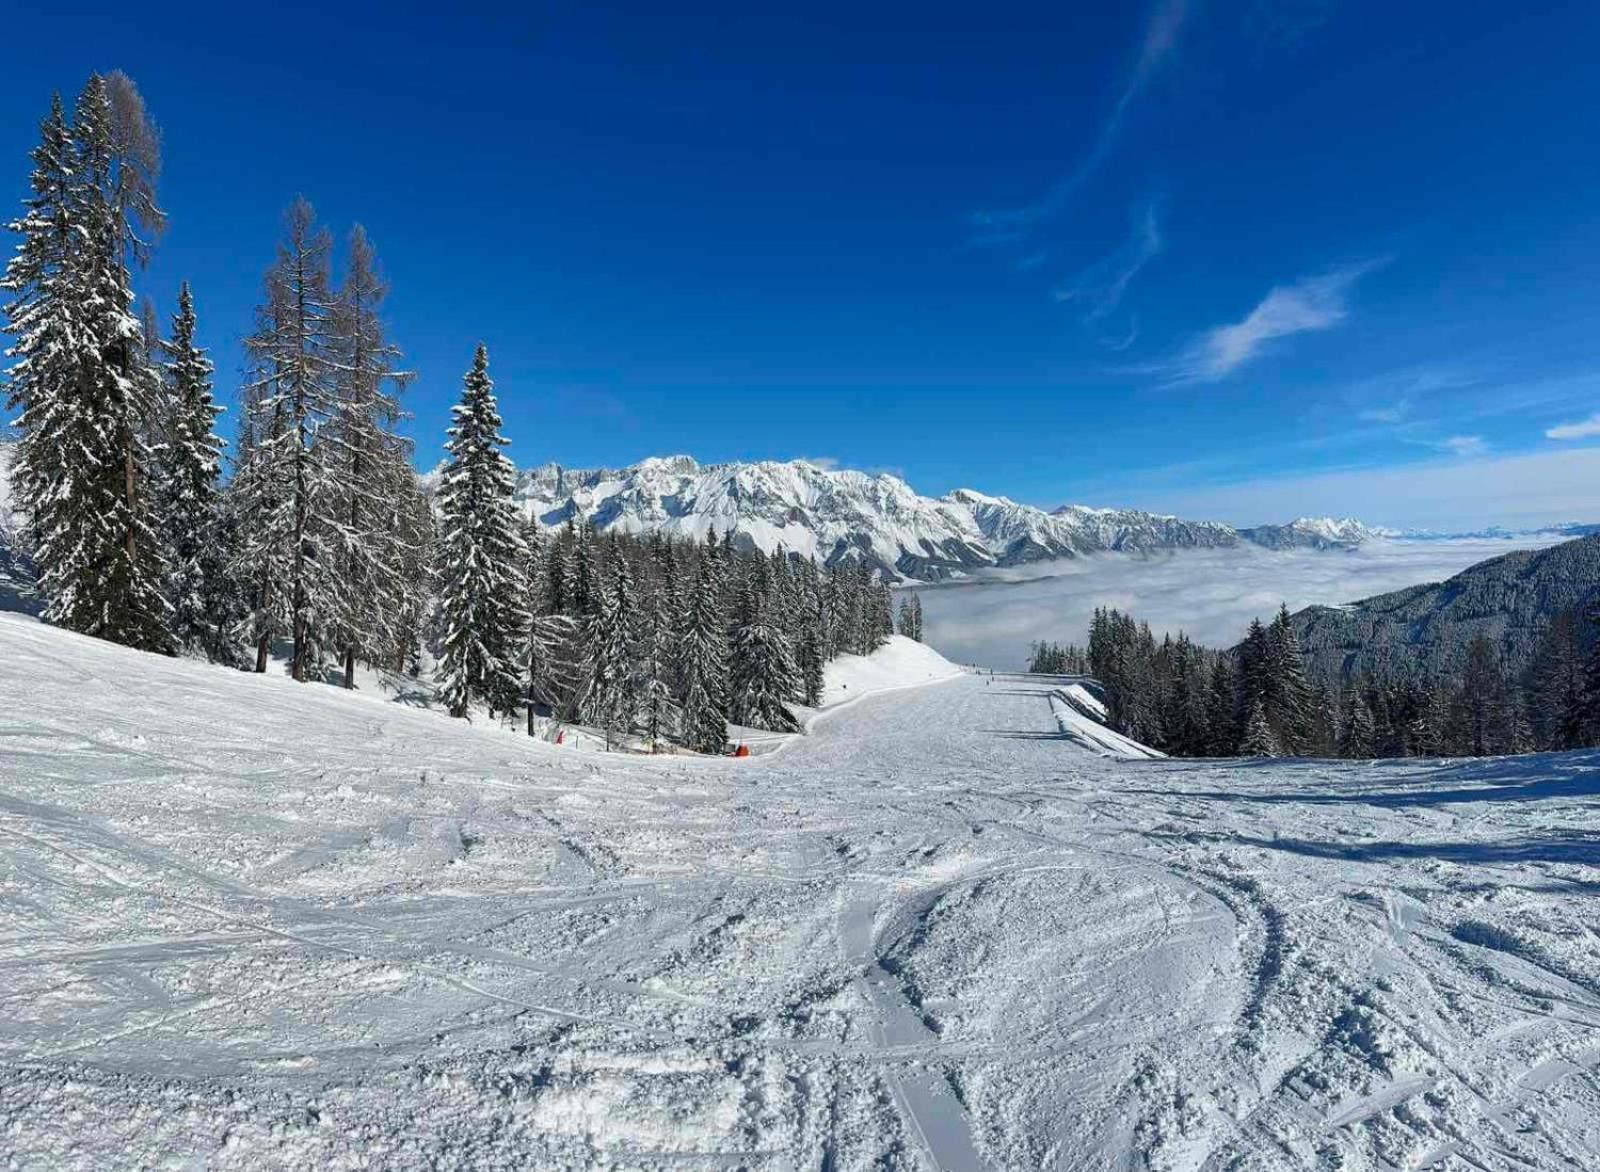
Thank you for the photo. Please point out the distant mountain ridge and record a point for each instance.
(835, 514)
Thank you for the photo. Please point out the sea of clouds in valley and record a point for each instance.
(992, 617)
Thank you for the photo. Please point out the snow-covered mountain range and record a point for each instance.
(833, 514)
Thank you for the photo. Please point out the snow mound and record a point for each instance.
(902, 663)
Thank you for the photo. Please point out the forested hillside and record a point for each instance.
(1424, 631)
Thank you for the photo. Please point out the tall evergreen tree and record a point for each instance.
(611, 669)
(188, 493)
(764, 675)
(702, 662)
(293, 535)
(480, 574)
(1259, 740)
(658, 706)
(1557, 684)
(370, 463)
(85, 391)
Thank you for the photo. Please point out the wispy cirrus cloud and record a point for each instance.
(1156, 47)
(1100, 286)
(1312, 303)
(1464, 445)
(1579, 429)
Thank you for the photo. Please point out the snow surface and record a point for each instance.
(251, 924)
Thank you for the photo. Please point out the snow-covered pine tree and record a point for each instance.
(911, 615)
(611, 666)
(882, 611)
(658, 705)
(1222, 707)
(480, 573)
(1484, 716)
(764, 675)
(701, 667)
(810, 663)
(43, 315)
(370, 462)
(1289, 696)
(1358, 736)
(256, 496)
(1259, 739)
(1556, 682)
(189, 464)
(412, 545)
(85, 391)
(292, 396)
(117, 160)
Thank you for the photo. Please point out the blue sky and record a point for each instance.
(1239, 260)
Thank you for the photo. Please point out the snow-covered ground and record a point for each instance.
(245, 923)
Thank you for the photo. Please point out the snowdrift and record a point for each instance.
(1079, 715)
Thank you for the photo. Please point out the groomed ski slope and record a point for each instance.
(250, 924)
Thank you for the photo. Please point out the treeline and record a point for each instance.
(323, 545)
(670, 640)
(1256, 699)
(1055, 659)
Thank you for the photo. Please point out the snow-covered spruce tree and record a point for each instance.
(701, 662)
(1222, 712)
(911, 616)
(611, 667)
(764, 675)
(43, 315)
(189, 467)
(370, 464)
(80, 378)
(1289, 697)
(1259, 739)
(1556, 685)
(552, 671)
(256, 497)
(658, 705)
(480, 573)
(1358, 736)
(882, 612)
(292, 396)
(810, 663)
(411, 547)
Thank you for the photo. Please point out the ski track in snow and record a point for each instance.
(245, 923)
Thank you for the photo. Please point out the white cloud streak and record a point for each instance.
(1581, 429)
(1101, 286)
(1312, 303)
(1157, 46)
(1465, 445)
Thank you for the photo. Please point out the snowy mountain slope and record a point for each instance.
(248, 924)
(832, 514)
(1423, 631)
(1313, 533)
